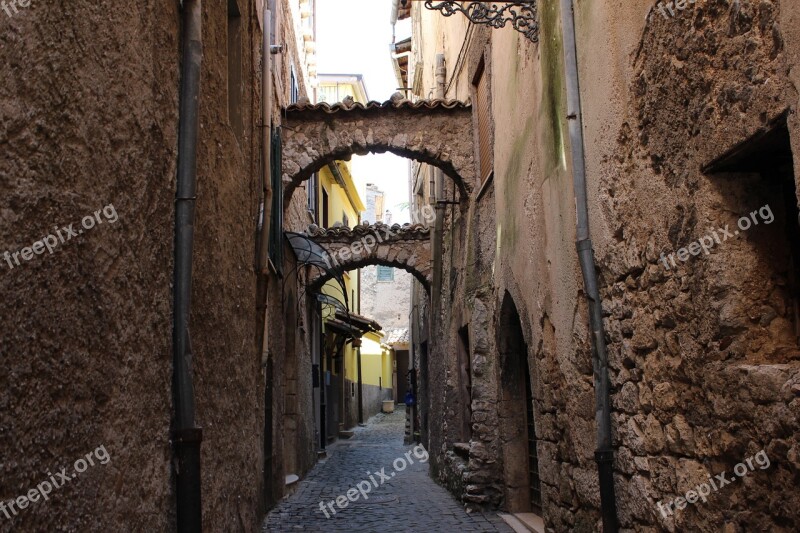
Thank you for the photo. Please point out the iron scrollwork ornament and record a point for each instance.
(521, 15)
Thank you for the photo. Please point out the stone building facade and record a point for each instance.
(689, 123)
(90, 120)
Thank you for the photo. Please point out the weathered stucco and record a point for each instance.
(88, 118)
(704, 363)
(85, 333)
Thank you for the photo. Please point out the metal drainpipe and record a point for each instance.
(266, 144)
(604, 454)
(439, 206)
(266, 192)
(185, 436)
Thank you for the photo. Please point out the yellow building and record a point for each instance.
(350, 342)
(336, 87)
(340, 203)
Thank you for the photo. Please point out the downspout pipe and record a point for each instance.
(186, 437)
(266, 143)
(439, 207)
(266, 192)
(604, 454)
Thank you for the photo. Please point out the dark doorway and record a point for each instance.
(401, 386)
(422, 397)
(516, 416)
(333, 383)
(465, 383)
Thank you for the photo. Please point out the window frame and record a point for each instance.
(484, 131)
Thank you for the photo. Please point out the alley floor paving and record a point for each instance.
(406, 499)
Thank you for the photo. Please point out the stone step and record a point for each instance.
(523, 522)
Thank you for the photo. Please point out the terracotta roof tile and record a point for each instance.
(372, 104)
(396, 336)
(406, 231)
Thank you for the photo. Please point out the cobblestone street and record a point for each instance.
(409, 501)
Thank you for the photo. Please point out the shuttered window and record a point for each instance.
(483, 110)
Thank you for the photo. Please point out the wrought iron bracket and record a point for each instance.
(522, 15)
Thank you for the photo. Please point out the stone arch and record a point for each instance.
(405, 247)
(436, 132)
(513, 289)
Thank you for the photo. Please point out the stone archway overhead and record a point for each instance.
(406, 247)
(438, 132)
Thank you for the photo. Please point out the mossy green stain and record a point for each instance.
(553, 105)
(522, 145)
(552, 108)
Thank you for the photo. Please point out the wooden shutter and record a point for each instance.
(483, 110)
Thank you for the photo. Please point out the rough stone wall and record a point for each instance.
(386, 302)
(703, 368)
(228, 377)
(704, 354)
(90, 120)
(293, 409)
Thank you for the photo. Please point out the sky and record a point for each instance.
(354, 37)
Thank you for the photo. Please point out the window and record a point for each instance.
(483, 111)
(345, 220)
(312, 186)
(385, 273)
(294, 89)
(277, 59)
(276, 226)
(235, 69)
(465, 383)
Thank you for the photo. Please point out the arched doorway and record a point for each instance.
(522, 488)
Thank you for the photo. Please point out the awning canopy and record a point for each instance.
(361, 322)
(310, 253)
(351, 325)
(341, 327)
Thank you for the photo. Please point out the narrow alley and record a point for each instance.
(400, 266)
(409, 500)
